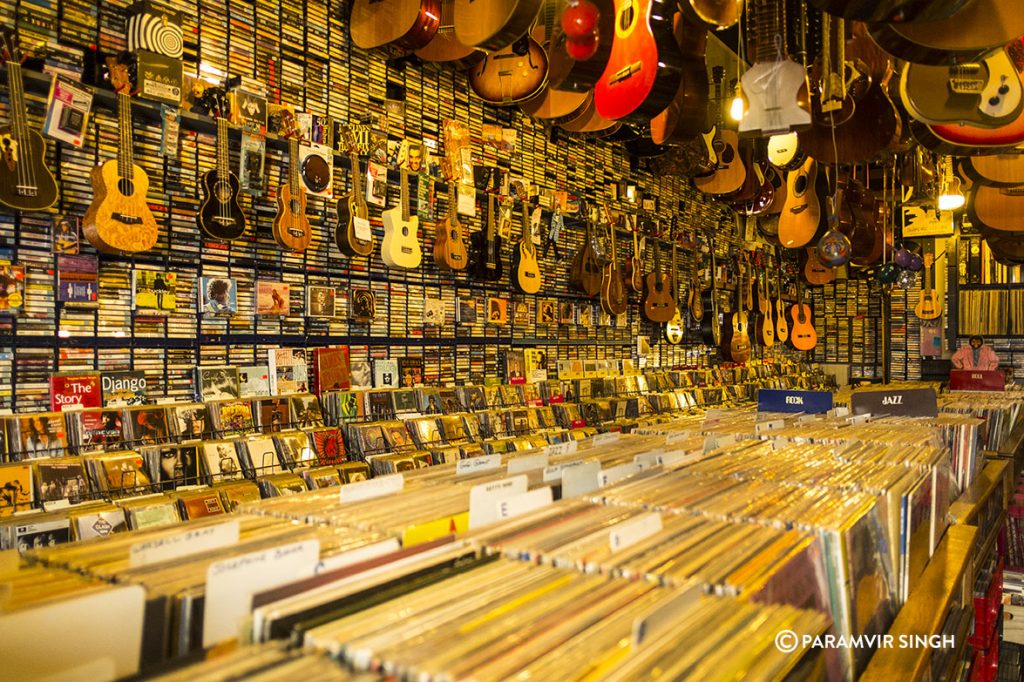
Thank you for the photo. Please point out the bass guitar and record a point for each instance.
(220, 215)
(491, 25)
(26, 184)
(291, 226)
(118, 219)
(695, 298)
(711, 323)
(929, 305)
(487, 265)
(674, 327)
(512, 74)
(802, 335)
(614, 298)
(801, 213)
(585, 274)
(526, 275)
(736, 345)
(400, 247)
(642, 74)
(450, 241)
(353, 234)
(730, 173)
(657, 300)
(408, 24)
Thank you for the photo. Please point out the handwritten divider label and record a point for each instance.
(839, 411)
(554, 471)
(566, 448)
(676, 457)
(906, 402)
(231, 583)
(859, 418)
(677, 437)
(525, 502)
(617, 473)
(371, 488)
(606, 438)
(483, 499)
(714, 442)
(764, 427)
(473, 465)
(580, 480)
(656, 622)
(779, 400)
(186, 543)
(519, 465)
(630, 532)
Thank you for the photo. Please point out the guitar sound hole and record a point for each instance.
(800, 186)
(222, 190)
(626, 17)
(295, 206)
(126, 187)
(405, 231)
(727, 155)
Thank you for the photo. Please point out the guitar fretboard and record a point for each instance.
(125, 158)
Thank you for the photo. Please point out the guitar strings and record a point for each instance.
(26, 175)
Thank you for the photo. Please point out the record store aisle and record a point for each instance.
(519, 339)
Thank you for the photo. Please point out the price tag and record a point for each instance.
(519, 465)
(177, 545)
(617, 473)
(606, 438)
(580, 480)
(483, 499)
(565, 448)
(713, 442)
(361, 227)
(374, 487)
(526, 502)
(630, 532)
(474, 464)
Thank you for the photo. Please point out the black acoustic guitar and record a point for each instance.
(486, 243)
(220, 215)
(25, 182)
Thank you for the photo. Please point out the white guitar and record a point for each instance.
(400, 247)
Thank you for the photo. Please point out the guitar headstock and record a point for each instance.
(215, 103)
(119, 75)
(9, 50)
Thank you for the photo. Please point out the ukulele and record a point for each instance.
(730, 174)
(585, 273)
(781, 326)
(26, 183)
(614, 298)
(775, 86)
(291, 226)
(635, 266)
(450, 241)
(929, 306)
(802, 335)
(400, 247)
(801, 214)
(736, 339)
(710, 323)
(491, 25)
(695, 300)
(407, 24)
(220, 215)
(353, 234)
(657, 301)
(764, 329)
(487, 264)
(119, 219)
(526, 276)
(674, 327)
(642, 75)
(513, 74)
(815, 272)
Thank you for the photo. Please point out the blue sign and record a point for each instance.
(811, 402)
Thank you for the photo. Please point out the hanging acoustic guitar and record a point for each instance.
(25, 182)
(118, 219)
(526, 275)
(400, 247)
(450, 241)
(487, 265)
(353, 233)
(291, 226)
(220, 215)
(674, 328)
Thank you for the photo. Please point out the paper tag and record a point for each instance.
(714, 442)
(472, 465)
(554, 472)
(565, 448)
(859, 419)
(630, 532)
(648, 460)
(526, 502)
(483, 498)
(676, 457)
(432, 530)
(56, 504)
(374, 487)
(354, 556)
(677, 437)
(361, 227)
(806, 418)
(839, 411)
(177, 545)
(519, 465)
(580, 480)
(665, 616)
(467, 202)
(605, 438)
(771, 425)
(231, 583)
(617, 473)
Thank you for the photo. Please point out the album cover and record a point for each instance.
(328, 446)
(405, 401)
(41, 435)
(251, 161)
(66, 234)
(202, 503)
(305, 411)
(123, 388)
(379, 405)
(75, 389)
(430, 400)
(547, 312)
(354, 472)
(146, 425)
(521, 313)
(190, 422)
(321, 302)
(16, 493)
(122, 473)
(362, 305)
(331, 369)
(154, 292)
(350, 406)
(263, 455)
(42, 534)
(512, 366)
(100, 523)
(274, 414)
(410, 371)
(221, 460)
(536, 360)
(78, 280)
(98, 430)
(467, 313)
(273, 298)
(253, 381)
(173, 465)
(218, 296)
(497, 311)
(385, 373)
(566, 312)
(294, 448)
(12, 289)
(61, 479)
(288, 370)
(324, 477)
(361, 374)
(216, 383)
(433, 312)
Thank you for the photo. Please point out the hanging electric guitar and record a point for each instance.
(400, 247)
(657, 302)
(801, 214)
(526, 276)
(802, 334)
(25, 182)
(220, 215)
(450, 242)
(353, 234)
(614, 297)
(513, 74)
(730, 173)
(554, 104)
(487, 265)
(929, 306)
(291, 226)
(674, 327)
(585, 273)
(635, 267)
(119, 219)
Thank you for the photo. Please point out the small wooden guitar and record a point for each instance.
(815, 272)
(487, 264)
(26, 183)
(291, 226)
(526, 275)
(220, 215)
(764, 330)
(730, 172)
(400, 247)
(512, 74)
(614, 297)
(585, 273)
(674, 327)
(781, 326)
(929, 306)
(353, 234)
(736, 337)
(450, 241)
(695, 297)
(801, 214)
(635, 267)
(119, 219)
(657, 300)
(408, 24)
(491, 25)
(802, 335)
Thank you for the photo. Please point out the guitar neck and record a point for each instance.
(16, 86)
(357, 187)
(404, 196)
(125, 158)
(222, 149)
(769, 31)
(293, 166)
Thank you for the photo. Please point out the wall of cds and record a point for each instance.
(193, 300)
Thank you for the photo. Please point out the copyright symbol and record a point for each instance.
(786, 641)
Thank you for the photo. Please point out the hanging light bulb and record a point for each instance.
(950, 196)
(736, 109)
